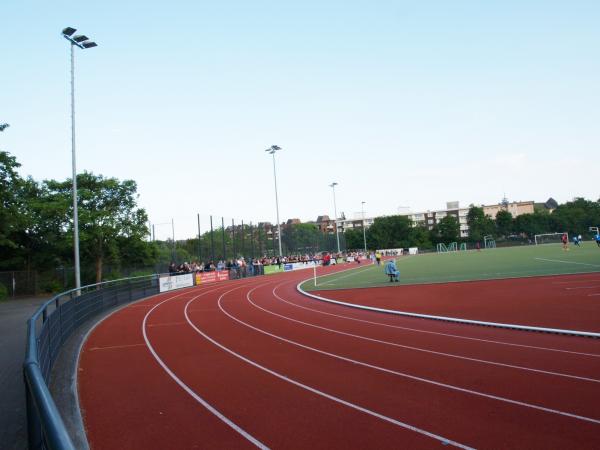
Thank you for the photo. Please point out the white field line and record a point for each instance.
(405, 375)
(457, 336)
(418, 349)
(352, 271)
(567, 262)
(450, 319)
(442, 439)
(355, 271)
(187, 389)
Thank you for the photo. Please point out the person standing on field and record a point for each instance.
(565, 242)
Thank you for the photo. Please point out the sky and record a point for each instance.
(402, 103)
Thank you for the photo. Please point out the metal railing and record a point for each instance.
(47, 330)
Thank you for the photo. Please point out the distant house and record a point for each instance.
(325, 224)
(549, 206)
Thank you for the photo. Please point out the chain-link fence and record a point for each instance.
(206, 238)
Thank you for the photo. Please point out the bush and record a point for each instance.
(51, 286)
(3, 292)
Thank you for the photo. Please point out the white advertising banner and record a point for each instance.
(298, 265)
(172, 282)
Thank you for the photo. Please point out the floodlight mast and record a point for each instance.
(271, 150)
(337, 235)
(363, 226)
(82, 42)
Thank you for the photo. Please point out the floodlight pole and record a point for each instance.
(337, 234)
(272, 151)
(74, 166)
(82, 42)
(363, 224)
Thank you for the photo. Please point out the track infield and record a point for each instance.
(490, 264)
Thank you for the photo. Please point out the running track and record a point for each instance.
(254, 363)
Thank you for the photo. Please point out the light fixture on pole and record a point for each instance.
(272, 149)
(82, 42)
(363, 224)
(337, 235)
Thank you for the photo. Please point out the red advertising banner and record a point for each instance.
(211, 277)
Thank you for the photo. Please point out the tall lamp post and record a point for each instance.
(82, 42)
(363, 224)
(337, 234)
(272, 150)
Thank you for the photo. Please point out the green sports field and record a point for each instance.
(526, 261)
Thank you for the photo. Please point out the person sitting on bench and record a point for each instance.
(392, 271)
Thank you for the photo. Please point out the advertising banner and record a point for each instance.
(212, 277)
(298, 265)
(172, 282)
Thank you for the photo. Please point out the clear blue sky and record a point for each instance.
(402, 103)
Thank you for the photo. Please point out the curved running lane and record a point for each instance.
(253, 363)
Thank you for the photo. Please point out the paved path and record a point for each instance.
(13, 328)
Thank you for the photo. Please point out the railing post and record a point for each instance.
(34, 427)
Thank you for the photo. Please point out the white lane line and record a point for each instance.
(416, 330)
(113, 347)
(423, 350)
(567, 262)
(510, 326)
(411, 377)
(582, 287)
(437, 437)
(592, 295)
(575, 281)
(166, 324)
(187, 389)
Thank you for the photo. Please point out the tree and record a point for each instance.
(448, 229)
(532, 224)
(419, 236)
(107, 212)
(504, 223)
(576, 216)
(390, 232)
(480, 225)
(300, 237)
(354, 239)
(10, 208)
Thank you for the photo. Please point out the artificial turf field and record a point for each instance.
(508, 262)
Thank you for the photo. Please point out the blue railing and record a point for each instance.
(47, 331)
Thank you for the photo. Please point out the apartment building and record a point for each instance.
(431, 218)
(515, 208)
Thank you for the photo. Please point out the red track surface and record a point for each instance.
(290, 372)
(570, 302)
